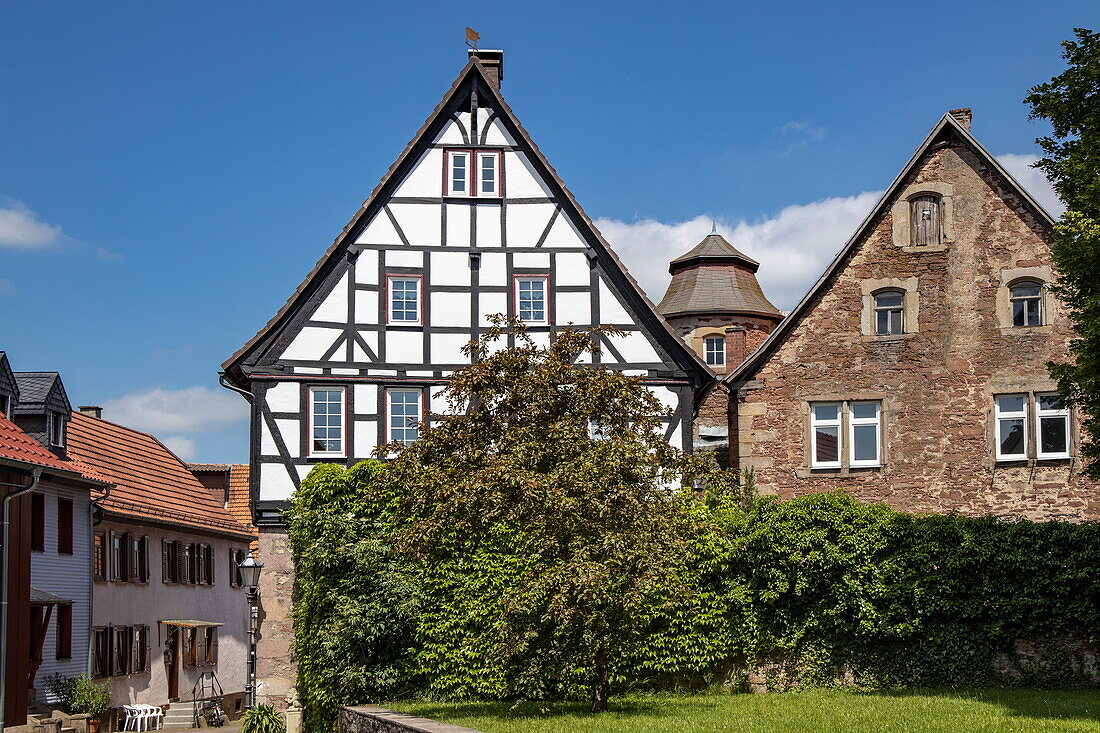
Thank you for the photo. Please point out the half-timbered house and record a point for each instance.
(470, 221)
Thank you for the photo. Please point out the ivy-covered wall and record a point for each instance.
(816, 590)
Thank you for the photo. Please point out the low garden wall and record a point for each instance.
(374, 719)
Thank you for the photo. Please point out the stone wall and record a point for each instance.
(276, 669)
(373, 719)
(937, 381)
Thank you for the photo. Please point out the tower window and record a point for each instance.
(714, 349)
(924, 220)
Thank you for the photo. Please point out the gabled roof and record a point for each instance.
(21, 450)
(713, 248)
(8, 385)
(473, 73)
(948, 126)
(35, 387)
(151, 483)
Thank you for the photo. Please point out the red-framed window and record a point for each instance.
(405, 300)
(531, 298)
(327, 421)
(404, 414)
(473, 172)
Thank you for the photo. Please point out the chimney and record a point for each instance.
(736, 346)
(91, 411)
(493, 62)
(963, 116)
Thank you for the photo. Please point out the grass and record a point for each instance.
(818, 710)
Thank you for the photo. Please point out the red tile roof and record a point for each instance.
(15, 445)
(150, 481)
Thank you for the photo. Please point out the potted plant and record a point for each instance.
(262, 719)
(81, 696)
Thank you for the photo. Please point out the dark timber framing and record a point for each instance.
(258, 365)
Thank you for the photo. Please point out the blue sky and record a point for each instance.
(171, 170)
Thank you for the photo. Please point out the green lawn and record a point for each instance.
(913, 710)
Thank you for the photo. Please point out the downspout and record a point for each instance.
(247, 395)
(94, 509)
(5, 558)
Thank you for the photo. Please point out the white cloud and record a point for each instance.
(184, 448)
(1034, 180)
(188, 411)
(793, 247)
(20, 228)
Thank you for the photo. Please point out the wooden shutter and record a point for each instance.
(65, 526)
(38, 522)
(183, 563)
(212, 646)
(924, 221)
(64, 629)
(99, 556)
(143, 559)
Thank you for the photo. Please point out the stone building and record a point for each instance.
(913, 372)
(715, 304)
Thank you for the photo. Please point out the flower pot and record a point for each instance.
(93, 725)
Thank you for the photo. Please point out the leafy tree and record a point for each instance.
(564, 467)
(1071, 103)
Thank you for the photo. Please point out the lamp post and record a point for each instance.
(249, 569)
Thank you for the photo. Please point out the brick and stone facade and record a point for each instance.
(936, 381)
(714, 294)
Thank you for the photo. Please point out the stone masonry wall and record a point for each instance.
(936, 383)
(276, 669)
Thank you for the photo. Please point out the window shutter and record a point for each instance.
(145, 641)
(99, 556)
(212, 651)
(65, 526)
(181, 562)
(924, 221)
(124, 557)
(109, 564)
(38, 522)
(143, 554)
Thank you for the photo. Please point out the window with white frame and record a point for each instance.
(825, 434)
(531, 299)
(714, 350)
(404, 299)
(888, 313)
(1051, 426)
(1026, 298)
(846, 434)
(864, 433)
(403, 415)
(1011, 415)
(326, 410)
(475, 173)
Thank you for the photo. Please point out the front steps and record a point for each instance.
(180, 715)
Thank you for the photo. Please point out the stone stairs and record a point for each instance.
(180, 715)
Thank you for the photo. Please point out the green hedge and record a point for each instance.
(818, 590)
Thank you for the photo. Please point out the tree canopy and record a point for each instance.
(1071, 103)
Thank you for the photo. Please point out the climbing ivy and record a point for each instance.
(819, 590)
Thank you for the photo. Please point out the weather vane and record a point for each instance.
(472, 38)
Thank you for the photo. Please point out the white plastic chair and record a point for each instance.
(133, 715)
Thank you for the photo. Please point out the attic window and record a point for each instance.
(57, 429)
(474, 173)
(924, 220)
(714, 348)
(5, 405)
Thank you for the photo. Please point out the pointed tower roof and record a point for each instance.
(714, 249)
(713, 277)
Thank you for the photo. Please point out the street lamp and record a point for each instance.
(250, 568)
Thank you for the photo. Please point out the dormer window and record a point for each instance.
(473, 173)
(924, 220)
(5, 405)
(1026, 297)
(57, 429)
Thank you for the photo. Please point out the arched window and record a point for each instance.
(1026, 297)
(924, 220)
(889, 318)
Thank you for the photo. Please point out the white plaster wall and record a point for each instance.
(69, 576)
(128, 604)
(335, 305)
(450, 309)
(450, 268)
(523, 182)
(526, 222)
(312, 342)
(425, 179)
(275, 483)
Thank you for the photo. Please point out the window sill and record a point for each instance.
(887, 338)
(463, 199)
(1026, 462)
(811, 471)
(1016, 331)
(919, 249)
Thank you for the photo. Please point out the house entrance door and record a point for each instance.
(172, 661)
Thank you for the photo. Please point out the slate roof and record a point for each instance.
(45, 598)
(947, 127)
(713, 248)
(34, 387)
(713, 277)
(17, 446)
(151, 483)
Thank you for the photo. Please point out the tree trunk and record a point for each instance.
(600, 684)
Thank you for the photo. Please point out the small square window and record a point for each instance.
(403, 415)
(326, 421)
(404, 300)
(531, 299)
(488, 174)
(458, 173)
